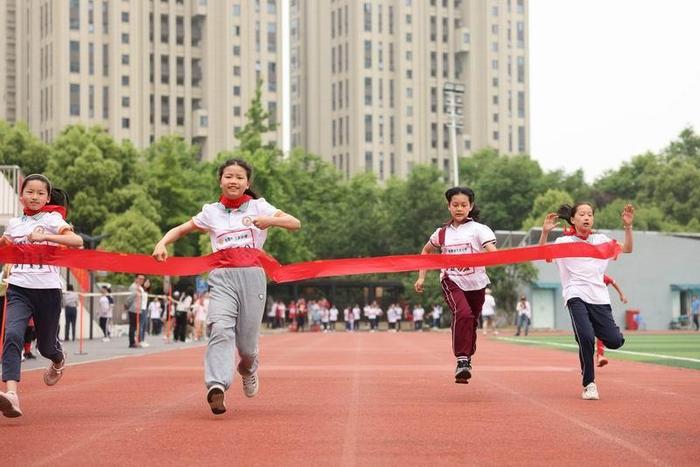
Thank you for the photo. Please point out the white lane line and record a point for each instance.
(627, 352)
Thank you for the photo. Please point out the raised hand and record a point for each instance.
(550, 222)
(627, 215)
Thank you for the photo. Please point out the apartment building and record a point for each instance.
(141, 68)
(367, 80)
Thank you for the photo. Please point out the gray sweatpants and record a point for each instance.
(236, 306)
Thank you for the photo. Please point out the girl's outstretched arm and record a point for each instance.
(427, 250)
(160, 252)
(550, 221)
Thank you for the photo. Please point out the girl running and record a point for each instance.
(237, 298)
(464, 288)
(35, 290)
(584, 290)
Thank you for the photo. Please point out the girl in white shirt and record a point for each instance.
(463, 288)
(237, 296)
(584, 290)
(35, 290)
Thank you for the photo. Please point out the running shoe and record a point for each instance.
(463, 371)
(215, 398)
(601, 360)
(251, 384)
(54, 373)
(9, 405)
(590, 392)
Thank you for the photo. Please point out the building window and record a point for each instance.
(105, 17)
(368, 161)
(272, 37)
(236, 10)
(125, 16)
(164, 29)
(105, 102)
(125, 38)
(125, 80)
(179, 30)
(75, 100)
(445, 30)
(236, 90)
(74, 57)
(521, 104)
(91, 58)
(367, 10)
(433, 29)
(125, 123)
(125, 59)
(237, 111)
(433, 135)
(521, 139)
(433, 64)
(164, 110)
(180, 70)
(91, 101)
(368, 91)
(91, 15)
(74, 15)
(521, 35)
(272, 76)
(164, 69)
(368, 128)
(521, 69)
(236, 50)
(180, 111)
(368, 54)
(126, 102)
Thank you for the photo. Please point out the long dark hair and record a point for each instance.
(57, 196)
(248, 171)
(469, 193)
(566, 212)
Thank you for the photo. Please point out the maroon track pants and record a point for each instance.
(466, 308)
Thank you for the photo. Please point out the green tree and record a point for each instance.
(18, 146)
(545, 203)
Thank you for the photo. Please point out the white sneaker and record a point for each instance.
(590, 393)
(215, 398)
(145, 344)
(9, 405)
(251, 384)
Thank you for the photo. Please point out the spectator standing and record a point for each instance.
(70, 303)
(418, 314)
(488, 311)
(105, 313)
(436, 315)
(333, 316)
(133, 306)
(524, 315)
(695, 312)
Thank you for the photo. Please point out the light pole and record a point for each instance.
(454, 104)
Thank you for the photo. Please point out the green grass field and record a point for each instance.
(681, 350)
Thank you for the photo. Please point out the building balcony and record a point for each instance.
(200, 123)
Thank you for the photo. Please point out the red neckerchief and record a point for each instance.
(571, 231)
(234, 203)
(47, 208)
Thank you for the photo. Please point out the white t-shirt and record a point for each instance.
(154, 309)
(105, 308)
(233, 228)
(523, 308)
(391, 314)
(470, 237)
(35, 276)
(583, 277)
(437, 312)
(418, 314)
(489, 307)
(333, 314)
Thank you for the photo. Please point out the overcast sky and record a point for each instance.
(611, 79)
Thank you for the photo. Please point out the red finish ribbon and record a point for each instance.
(98, 260)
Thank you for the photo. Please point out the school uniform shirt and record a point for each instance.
(105, 308)
(35, 276)
(334, 314)
(418, 314)
(583, 277)
(233, 228)
(489, 307)
(469, 237)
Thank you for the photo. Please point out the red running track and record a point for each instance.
(360, 399)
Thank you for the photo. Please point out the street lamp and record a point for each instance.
(454, 105)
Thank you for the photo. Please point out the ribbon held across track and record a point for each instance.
(98, 260)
